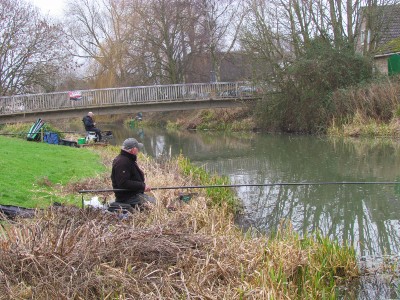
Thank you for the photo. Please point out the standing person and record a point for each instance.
(126, 174)
(90, 125)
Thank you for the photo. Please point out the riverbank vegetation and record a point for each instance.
(303, 102)
(368, 109)
(219, 119)
(175, 249)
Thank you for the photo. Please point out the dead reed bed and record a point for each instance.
(71, 253)
(378, 101)
(369, 110)
(173, 250)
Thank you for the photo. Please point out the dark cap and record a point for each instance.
(131, 143)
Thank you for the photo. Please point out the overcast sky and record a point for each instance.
(52, 7)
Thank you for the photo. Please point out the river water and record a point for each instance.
(366, 216)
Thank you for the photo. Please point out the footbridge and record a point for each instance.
(127, 100)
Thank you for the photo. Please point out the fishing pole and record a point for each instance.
(249, 185)
(19, 133)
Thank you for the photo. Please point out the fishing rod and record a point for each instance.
(18, 133)
(105, 132)
(245, 185)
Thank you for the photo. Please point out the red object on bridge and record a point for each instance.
(75, 95)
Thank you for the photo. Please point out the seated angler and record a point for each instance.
(127, 175)
(90, 125)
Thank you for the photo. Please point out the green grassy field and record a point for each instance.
(30, 171)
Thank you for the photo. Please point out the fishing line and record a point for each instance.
(249, 185)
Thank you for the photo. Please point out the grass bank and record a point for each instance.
(175, 250)
(33, 172)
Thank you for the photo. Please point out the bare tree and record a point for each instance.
(129, 42)
(163, 38)
(271, 42)
(31, 52)
(280, 29)
(175, 35)
(156, 41)
(100, 33)
(221, 21)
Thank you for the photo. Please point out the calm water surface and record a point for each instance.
(365, 216)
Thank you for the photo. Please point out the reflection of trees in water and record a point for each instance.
(371, 288)
(198, 146)
(358, 214)
(340, 214)
(375, 157)
(195, 145)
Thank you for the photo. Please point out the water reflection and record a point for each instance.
(366, 216)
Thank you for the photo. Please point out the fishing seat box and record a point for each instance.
(68, 143)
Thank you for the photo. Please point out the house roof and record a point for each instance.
(389, 36)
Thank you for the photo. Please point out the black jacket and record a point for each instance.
(126, 174)
(89, 124)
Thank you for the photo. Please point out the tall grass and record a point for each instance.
(367, 110)
(193, 252)
(218, 196)
(377, 100)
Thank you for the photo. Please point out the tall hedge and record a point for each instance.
(303, 101)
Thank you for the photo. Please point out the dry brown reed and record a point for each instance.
(173, 250)
(70, 253)
(376, 100)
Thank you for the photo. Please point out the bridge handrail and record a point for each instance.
(124, 96)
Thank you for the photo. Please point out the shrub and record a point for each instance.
(303, 103)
